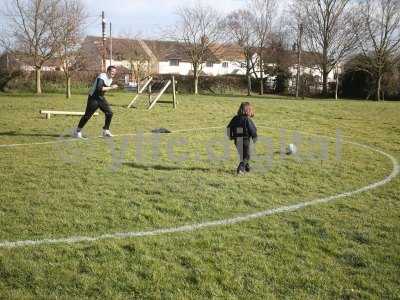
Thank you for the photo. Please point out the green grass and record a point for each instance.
(348, 249)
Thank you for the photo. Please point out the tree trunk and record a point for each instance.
(196, 84)
(38, 82)
(261, 76)
(378, 89)
(369, 94)
(337, 85)
(324, 82)
(248, 85)
(196, 79)
(68, 91)
(298, 81)
(248, 78)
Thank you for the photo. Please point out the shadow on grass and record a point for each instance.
(14, 133)
(121, 105)
(45, 95)
(253, 96)
(19, 95)
(172, 168)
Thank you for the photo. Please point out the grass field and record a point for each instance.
(139, 182)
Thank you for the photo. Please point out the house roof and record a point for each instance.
(124, 48)
(162, 50)
(166, 50)
(230, 52)
(289, 57)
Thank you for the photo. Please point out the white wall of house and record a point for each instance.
(165, 67)
(221, 68)
(313, 71)
(118, 63)
(224, 68)
(28, 68)
(185, 68)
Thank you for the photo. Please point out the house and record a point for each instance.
(139, 58)
(288, 60)
(14, 61)
(160, 57)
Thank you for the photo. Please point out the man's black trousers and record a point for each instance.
(92, 105)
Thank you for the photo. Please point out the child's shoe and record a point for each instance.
(240, 169)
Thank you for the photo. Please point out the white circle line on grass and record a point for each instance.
(222, 222)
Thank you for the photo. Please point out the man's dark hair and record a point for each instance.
(109, 68)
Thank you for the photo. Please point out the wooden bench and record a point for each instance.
(48, 113)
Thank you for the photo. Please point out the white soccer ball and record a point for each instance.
(291, 149)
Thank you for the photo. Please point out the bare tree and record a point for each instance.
(379, 38)
(200, 31)
(68, 31)
(264, 12)
(140, 62)
(239, 25)
(328, 31)
(30, 31)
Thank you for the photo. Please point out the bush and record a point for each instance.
(52, 81)
(357, 83)
(6, 77)
(282, 82)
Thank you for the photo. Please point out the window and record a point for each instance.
(225, 64)
(209, 64)
(174, 62)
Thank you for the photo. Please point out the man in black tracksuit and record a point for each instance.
(97, 100)
(241, 129)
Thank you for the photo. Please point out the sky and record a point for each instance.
(147, 18)
(142, 18)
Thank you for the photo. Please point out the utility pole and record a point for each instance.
(103, 30)
(299, 40)
(111, 47)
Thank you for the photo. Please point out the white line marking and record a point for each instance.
(223, 222)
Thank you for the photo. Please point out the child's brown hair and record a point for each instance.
(246, 109)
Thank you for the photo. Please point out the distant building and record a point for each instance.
(138, 58)
(168, 57)
(10, 61)
(160, 57)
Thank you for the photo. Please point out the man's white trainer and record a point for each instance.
(77, 134)
(107, 133)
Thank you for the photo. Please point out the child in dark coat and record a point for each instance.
(242, 129)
